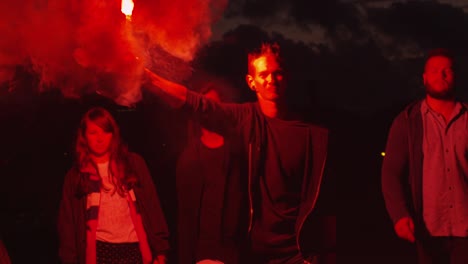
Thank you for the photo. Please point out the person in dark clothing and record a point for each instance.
(209, 195)
(285, 156)
(424, 172)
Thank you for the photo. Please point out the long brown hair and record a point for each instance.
(123, 179)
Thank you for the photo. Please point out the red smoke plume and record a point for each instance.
(82, 46)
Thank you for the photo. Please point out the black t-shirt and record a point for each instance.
(280, 188)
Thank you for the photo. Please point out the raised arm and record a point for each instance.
(173, 93)
(217, 117)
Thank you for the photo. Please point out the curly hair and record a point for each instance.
(124, 178)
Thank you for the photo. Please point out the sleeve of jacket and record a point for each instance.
(217, 117)
(155, 225)
(395, 169)
(68, 250)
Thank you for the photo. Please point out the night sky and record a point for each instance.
(369, 53)
(355, 65)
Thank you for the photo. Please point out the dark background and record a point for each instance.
(354, 77)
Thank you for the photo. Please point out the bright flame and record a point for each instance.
(127, 8)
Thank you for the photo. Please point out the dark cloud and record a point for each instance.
(370, 55)
(329, 14)
(430, 24)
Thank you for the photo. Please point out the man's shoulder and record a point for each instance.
(253, 106)
(410, 110)
(315, 125)
(414, 106)
(319, 128)
(250, 110)
(245, 107)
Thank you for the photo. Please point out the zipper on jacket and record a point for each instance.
(313, 204)
(250, 190)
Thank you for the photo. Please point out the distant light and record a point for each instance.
(382, 154)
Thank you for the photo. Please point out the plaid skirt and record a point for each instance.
(118, 253)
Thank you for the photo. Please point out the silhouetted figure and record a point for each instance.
(210, 198)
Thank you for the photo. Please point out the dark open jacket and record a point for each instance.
(72, 215)
(315, 234)
(402, 165)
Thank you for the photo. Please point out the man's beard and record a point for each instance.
(441, 95)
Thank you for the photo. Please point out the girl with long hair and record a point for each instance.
(110, 210)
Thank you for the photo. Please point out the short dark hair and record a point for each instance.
(442, 52)
(266, 49)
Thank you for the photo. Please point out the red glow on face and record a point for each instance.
(439, 75)
(98, 140)
(268, 79)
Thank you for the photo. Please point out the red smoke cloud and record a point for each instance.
(82, 46)
(178, 26)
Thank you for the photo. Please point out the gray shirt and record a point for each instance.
(445, 172)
